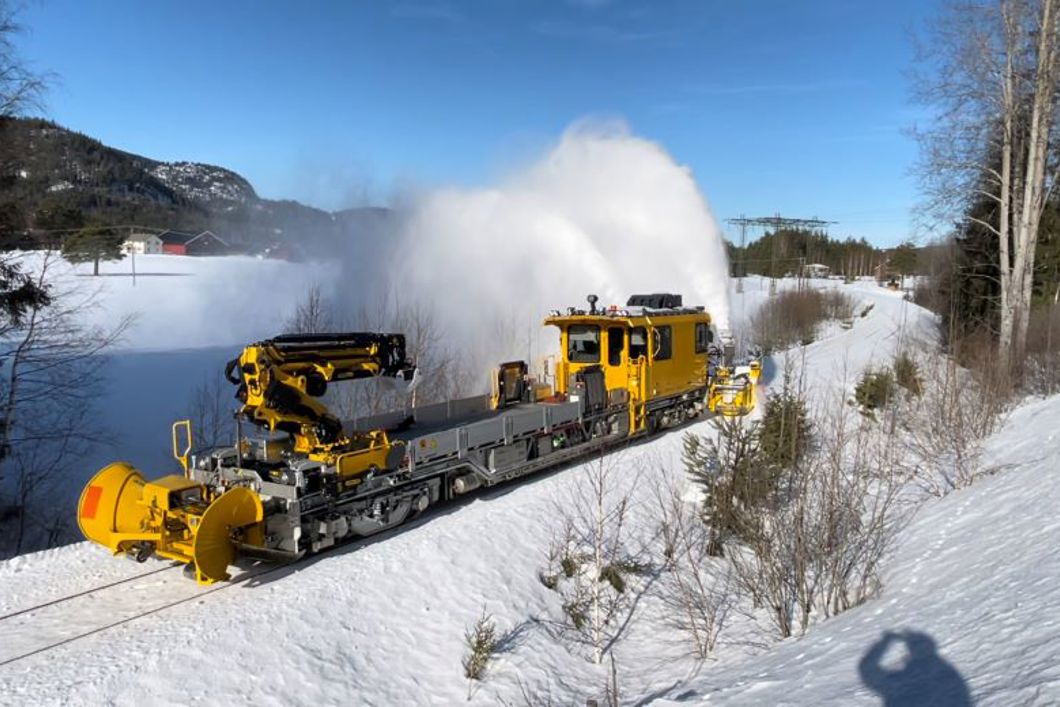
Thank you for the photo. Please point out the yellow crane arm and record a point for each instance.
(281, 380)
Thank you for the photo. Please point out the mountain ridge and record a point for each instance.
(54, 179)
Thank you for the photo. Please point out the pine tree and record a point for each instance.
(785, 432)
(904, 260)
(19, 293)
(734, 476)
(93, 244)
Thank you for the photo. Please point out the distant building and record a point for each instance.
(142, 244)
(885, 273)
(205, 243)
(816, 270)
(283, 251)
(175, 242)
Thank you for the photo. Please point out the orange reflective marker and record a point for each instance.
(91, 504)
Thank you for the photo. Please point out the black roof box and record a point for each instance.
(659, 300)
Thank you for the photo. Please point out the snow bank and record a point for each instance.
(976, 572)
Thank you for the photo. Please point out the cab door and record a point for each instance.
(616, 360)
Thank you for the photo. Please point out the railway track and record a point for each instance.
(86, 592)
(48, 625)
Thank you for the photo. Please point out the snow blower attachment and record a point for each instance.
(733, 385)
(174, 517)
(303, 480)
(733, 391)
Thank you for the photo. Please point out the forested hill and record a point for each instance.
(55, 179)
(783, 251)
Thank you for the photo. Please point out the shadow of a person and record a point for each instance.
(924, 679)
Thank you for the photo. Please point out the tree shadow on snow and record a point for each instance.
(923, 677)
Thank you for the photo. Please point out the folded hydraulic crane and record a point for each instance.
(281, 380)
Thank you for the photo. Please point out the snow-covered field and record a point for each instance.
(181, 302)
(188, 317)
(381, 622)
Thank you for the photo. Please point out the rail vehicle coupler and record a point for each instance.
(142, 551)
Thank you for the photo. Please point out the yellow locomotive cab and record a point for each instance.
(653, 353)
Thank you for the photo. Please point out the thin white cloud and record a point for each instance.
(599, 32)
(432, 11)
(782, 88)
(589, 4)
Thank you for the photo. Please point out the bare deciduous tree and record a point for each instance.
(815, 546)
(212, 413)
(696, 587)
(20, 88)
(992, 71)
(942, 430)
(604, 565)
(312, 314)
(50, 378)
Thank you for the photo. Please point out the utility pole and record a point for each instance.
(777, 223)
(740, 271)
(132, 253)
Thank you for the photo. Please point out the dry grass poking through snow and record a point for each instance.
(792, 317)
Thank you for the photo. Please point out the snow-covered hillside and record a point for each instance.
(974, 585)
(204, 183)
(381, 622)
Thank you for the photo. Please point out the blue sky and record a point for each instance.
(791, 107)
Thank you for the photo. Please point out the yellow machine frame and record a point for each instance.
(732, 393)
(658, 362)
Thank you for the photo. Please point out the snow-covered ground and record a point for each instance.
(381, 622)
(976, 573)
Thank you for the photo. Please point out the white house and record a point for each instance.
(142, 244)
(816, 270)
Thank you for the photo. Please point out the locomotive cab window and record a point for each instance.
(583, 343)
(616, 341)
(704, 337)
(662, 343)
(638, 343)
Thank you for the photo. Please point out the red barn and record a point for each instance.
(205, 243)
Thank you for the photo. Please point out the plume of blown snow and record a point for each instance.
(602, 212)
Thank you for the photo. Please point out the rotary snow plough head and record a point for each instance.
(733, 385)
(733, 391)
(172, 517)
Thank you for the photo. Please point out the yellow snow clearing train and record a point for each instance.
(306, 480)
